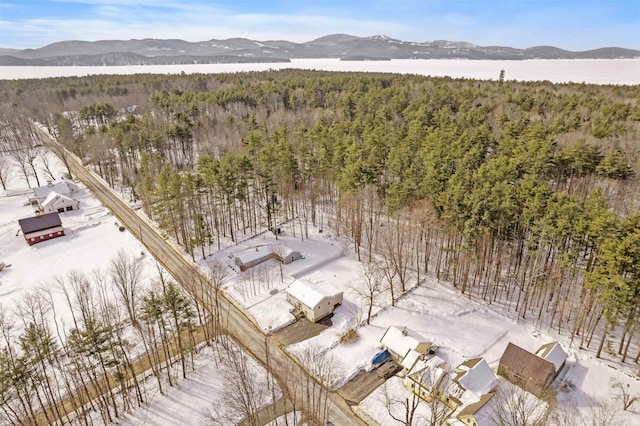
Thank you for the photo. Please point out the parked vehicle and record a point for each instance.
(380, 357)
(387, 369)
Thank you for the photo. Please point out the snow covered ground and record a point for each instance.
(203, 396)
(597, 71)
(461, 328)
(92, 238)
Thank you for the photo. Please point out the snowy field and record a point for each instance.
(91, 240)
(597, 71)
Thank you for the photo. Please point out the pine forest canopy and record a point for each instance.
(519, 193)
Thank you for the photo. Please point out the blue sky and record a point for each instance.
(569, 24)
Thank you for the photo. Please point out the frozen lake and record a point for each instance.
(598, 71)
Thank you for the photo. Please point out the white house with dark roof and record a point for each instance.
(313, 300)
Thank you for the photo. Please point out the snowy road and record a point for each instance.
(307, 392)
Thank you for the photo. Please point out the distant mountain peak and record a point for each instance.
(158, 51)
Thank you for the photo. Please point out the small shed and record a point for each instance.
(553, 353)
(526, 370)
(314, 300)
(400, 341)
(41, 228)
(59, 203)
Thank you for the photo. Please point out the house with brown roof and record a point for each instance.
(41, 228)
(526, 370)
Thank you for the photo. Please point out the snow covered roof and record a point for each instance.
(476, 376)
(54, 196)
(410, 359)
(553, 353)
(424, 370)
(311, 294)
(255, 253)
(402, 340)
(262, 253)
(61, 187)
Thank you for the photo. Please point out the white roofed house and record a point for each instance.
(256, 255)
(477, 383)
(63, 187)
(57, 193)
(400, 341)
(59, 203)
(313, 300)
(285, 254)
(464, 391)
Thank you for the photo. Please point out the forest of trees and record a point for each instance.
(519, 194)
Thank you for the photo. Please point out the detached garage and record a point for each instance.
(41, 228)
(59, 203)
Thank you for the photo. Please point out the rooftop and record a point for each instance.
(311, 294)
(38, 223)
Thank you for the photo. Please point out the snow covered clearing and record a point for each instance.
(92, 238)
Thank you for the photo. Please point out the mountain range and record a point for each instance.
(241, 50)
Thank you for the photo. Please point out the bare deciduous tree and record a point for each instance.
(371, 287)
(401, 408)
(244, 391)
(6, 171)
(623, 394)
(513, 406)
(126, 274)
